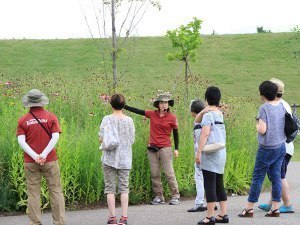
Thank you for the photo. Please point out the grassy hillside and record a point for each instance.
(236, 63)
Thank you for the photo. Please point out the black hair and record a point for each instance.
(197, 106)
(213, 96)
(268, 89)
(117, 101)
(170, 102)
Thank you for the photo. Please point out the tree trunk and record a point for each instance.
(186, 81)
(186, 70)
(114, 46)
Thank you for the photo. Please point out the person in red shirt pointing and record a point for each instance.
(38, 132)
(162, 123)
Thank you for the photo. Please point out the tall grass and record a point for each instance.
(80, 111)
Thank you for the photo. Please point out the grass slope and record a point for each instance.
(236, 63)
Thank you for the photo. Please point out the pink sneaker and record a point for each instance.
(123, 220)
(112, 221)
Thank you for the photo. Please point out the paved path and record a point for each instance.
(177, 215)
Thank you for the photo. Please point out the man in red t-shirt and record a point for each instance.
(38, 132)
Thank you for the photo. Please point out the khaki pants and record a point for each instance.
(110, 176)
(50, 171)
(164, 158)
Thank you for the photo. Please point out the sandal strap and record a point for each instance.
(209, 218)
(247, 210)
(275, 210)
(222, 216)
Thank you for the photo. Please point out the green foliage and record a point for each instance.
(187, 39)
(80, 113)
(262, 30)
(296, 31)
(73, 80)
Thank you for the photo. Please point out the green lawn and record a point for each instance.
(236, 63)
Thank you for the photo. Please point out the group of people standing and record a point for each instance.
(38, 132)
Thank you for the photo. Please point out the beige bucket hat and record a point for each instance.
(280, 85)
(165, 97)
(35, 98)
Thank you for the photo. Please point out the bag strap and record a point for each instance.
(197, 126)
(213, 119)
(49, 134)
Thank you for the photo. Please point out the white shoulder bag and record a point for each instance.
(215, 145)
(110, 137)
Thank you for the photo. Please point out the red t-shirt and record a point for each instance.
(161, 128)
(36, 136)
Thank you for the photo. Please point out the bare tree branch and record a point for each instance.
(126, 17)
(132, 25)
(128, 59)
(104, 24)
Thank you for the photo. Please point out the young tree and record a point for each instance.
(187, 39)
(131, 13)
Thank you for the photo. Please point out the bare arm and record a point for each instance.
(261, 127)
(203, 139)
(200, 115)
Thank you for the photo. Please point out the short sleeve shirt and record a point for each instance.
(36, 136)
(214, 162)
(274, 117)
(121, 157)
(161, 128)
(196, 134)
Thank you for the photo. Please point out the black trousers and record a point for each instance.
(214, 186)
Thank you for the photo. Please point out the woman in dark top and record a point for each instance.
(162, 123)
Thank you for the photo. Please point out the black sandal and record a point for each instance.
(224, 219)
(212, 220)
(247, 213)
(274, 213)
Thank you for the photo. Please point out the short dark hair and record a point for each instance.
(117, 101)
(197, 106)
(213, 96)
(268, 89)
